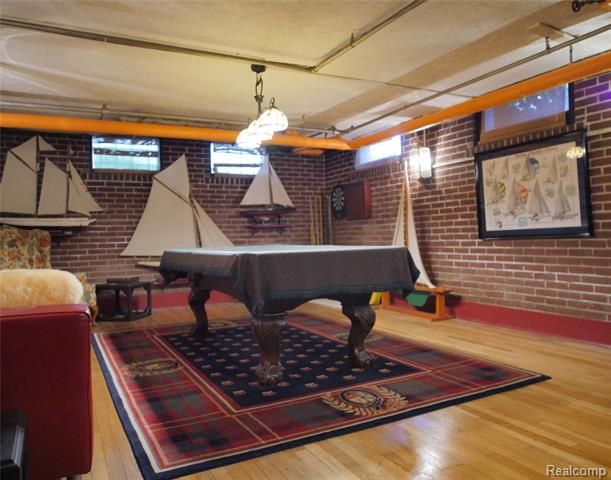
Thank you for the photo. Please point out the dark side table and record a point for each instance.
(13, 462)
(126, 287)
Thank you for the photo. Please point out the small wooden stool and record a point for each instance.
(127, 287)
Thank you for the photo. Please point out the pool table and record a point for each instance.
(271, 279)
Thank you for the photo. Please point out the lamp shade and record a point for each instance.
(273, 119)
(421, 156)
(248, 138)
(264, 132)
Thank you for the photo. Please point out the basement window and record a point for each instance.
(378, 153)
(110, 152)
(229, 159)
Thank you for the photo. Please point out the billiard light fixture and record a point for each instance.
(268, 122)
(420, 156)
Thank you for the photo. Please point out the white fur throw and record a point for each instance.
(26, 288)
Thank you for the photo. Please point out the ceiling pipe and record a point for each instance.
(576, 71)
(484, 76)
(124, 115)
(83, 125)
(198, 52)
(133, 42)
(356, 40)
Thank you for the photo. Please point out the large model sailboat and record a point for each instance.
(266, 200)
(172, 218)
(405, 231)
(62, 191)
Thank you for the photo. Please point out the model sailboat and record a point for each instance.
(266, 200)
(562, 206)
(172, 218)
(61, 192)
(537, 207)
(405, 231)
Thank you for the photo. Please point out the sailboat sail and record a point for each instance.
(266, 189)
(562, 206)
(407, 226)
(54, 192)
(536, 204)
(18, 186)
(79, 198)
(169, 202)
(552, 174)
(210, 235)
(514, 205)
(27, 151)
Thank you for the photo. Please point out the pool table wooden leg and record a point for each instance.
(267, 332)
(362, 317)
(197, 300)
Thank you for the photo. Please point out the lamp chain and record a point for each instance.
(259, 92)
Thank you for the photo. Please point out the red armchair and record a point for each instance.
(45, 355)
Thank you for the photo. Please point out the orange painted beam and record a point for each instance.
(86, 125)
(575, 71)
(569, 73)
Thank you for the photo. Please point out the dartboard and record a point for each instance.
(338, 201)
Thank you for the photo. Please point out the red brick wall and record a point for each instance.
(569, 277)
(95, 249)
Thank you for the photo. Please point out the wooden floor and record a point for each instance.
(514, 435)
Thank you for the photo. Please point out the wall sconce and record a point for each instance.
(576, 152)
(421, 156)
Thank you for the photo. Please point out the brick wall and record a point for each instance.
(95, 249)
(569, 277)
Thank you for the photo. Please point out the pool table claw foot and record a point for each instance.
(269, 374)
(197, 300)
(363, 318)
(267, 332)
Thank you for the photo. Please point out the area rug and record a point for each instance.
(189, 405)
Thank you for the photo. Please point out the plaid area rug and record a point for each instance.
(189, 405)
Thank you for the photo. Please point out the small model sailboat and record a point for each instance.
(552, 172)
(172, 218)
(61, 192)
(562, 206)
(266, 200)
(515, 202)
(537, 206)
(405, 231)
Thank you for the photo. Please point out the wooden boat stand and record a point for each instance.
(440, 303)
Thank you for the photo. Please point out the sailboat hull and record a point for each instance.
(47, 222)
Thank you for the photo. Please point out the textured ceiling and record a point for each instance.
(434, 46)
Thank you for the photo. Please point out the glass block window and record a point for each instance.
(228, 159)
(378, 153)
(125, 153)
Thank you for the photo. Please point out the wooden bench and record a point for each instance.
(440, 303)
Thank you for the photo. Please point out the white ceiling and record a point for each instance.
(434, 46)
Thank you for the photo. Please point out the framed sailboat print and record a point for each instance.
(537, 189)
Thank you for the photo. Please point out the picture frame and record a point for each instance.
(535, 189)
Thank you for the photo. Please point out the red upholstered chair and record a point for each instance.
(45, 358)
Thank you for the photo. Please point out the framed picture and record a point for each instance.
(537, 189)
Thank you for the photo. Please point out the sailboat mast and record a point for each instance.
(37, 170)
(269, 184)
(67, 188)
